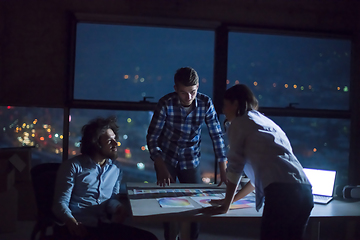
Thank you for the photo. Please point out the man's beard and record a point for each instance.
(112, 155)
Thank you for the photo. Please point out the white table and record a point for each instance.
(145, 209)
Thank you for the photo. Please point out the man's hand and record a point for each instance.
(120, 214)
(223, 178)
(76, 228)
(162, 174)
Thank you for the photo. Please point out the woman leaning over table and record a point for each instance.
(261, 149)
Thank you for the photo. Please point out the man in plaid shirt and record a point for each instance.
(174, 134)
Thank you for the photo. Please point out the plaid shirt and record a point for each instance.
(175, 135)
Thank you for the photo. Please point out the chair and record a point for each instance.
(43, 180)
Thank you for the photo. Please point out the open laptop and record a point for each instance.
(322, 182)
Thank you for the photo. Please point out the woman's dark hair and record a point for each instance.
(92, 131)
(245, 97)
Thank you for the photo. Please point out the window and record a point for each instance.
(319, 142)
(128, 63)
(300, 73)
(117, 64)
(41, 128)
(124, 63)
(132, 150)
(307, 72)
(133, 153)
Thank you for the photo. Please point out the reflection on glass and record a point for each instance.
(133, 152)
(311, 72)
(319, 142)
(41, 128)
(128, 63)
(207, 162)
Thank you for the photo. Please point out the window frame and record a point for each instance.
(142, 105)
(221, 30)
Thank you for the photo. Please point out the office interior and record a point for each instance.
(37, 66)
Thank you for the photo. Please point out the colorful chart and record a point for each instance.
(174, 202)
(179, 192)
(241, 204)
(204, 201)
(246, 202)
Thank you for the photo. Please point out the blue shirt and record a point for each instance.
(175, 135)
(86, 191)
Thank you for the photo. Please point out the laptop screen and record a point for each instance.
(322, 181)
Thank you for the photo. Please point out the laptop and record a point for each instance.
(323, 182)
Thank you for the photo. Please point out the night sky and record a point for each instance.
(111, 59)
(127, 63)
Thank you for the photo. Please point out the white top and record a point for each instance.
(262, 145)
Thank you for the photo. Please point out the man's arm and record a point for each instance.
(117, 211)
(155, 128)
(114, 202)
(223, 178)
(63, 190)
(162, 174)
(216, 136)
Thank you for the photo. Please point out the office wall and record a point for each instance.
(35, 39)
(33, 53)
(34, 43)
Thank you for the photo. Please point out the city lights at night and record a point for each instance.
(314, 75)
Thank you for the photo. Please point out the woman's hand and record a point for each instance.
(215, 210)
(222, 206)
(216, 202)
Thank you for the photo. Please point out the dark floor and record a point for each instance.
(208, 232)
(224, 231)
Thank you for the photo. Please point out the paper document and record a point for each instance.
(174, 202)
(245, 202)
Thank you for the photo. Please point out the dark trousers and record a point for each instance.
(286, 211)
(106, 231)
(184, 176)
